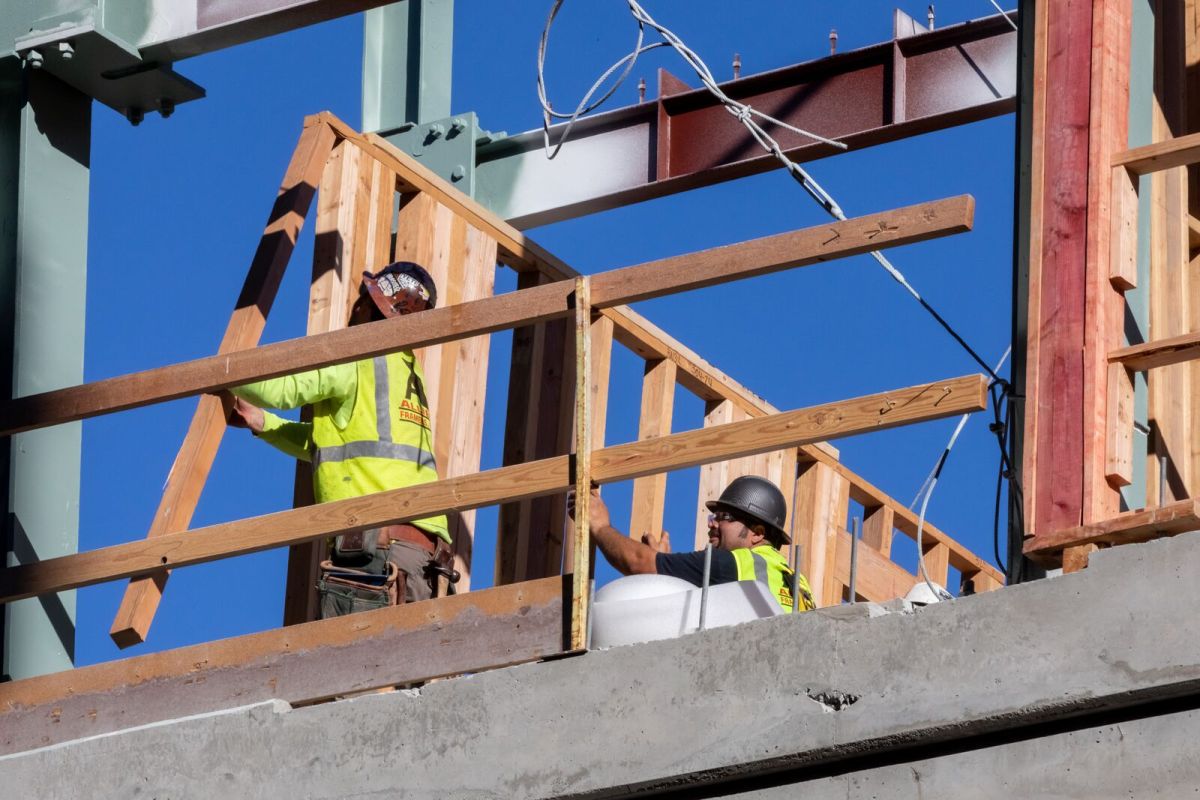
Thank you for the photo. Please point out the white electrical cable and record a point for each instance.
(1005, 13)
(927, 489)
(743, 112)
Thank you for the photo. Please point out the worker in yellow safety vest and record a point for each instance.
(369, 432)
(745, 529)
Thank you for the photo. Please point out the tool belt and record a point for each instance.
(346, 590)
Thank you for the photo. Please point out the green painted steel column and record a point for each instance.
(45, 140)
(407, 60)
(1137, 321)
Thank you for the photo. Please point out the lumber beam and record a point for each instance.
(622, 462)
(1134, 526)
(185, 481)
(1180, 151)
(1161, 353)
(650, 493)
(299, 664)
(878, 580)
(535, 304)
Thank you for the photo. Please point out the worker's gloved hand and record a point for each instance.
(598, 512)
(661, 542)
(242, 414)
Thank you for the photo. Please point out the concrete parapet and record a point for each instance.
(998, 690)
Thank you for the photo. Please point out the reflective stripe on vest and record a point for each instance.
(384, 447)
(766, 565)
(387, 447)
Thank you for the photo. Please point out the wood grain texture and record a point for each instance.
(1122, 273)
(621, 462)
(879, 523)
(878, 580)
(1075, 559)
(937, 563)
(536, 304)
(300, 664)
(1119, 425)
(658, 403)
(1178, 151)
(821, 507)
(1104, 306)
(1159, 353)
(1058, 324)
(190, 470)
(580, 552)
(715, 476)
(1134, 526)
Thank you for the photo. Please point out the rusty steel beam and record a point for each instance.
(920, 81)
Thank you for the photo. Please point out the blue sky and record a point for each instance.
(177, 207)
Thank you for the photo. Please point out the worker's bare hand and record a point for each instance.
(660, 542)
(242, 414)
(598, 516)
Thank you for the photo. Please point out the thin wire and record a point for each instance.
(1005, 14)
(745, 114)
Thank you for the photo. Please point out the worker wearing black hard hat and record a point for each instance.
(369, 433)
(746, 530)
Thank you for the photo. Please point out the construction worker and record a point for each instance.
(369, 432)
(745, 530)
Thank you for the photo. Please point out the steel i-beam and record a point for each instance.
(920, 81)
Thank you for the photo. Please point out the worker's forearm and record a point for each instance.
(627, 556)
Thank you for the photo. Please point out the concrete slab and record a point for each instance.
(817, 691)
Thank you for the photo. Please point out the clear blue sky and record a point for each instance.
(178, 206)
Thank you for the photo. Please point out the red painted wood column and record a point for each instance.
(1080, 114)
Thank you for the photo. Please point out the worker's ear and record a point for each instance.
(758, 534)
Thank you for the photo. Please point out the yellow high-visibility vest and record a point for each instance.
(767, 565)
(370, 430)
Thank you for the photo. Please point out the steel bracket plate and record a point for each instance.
(445, 146)
(106, 68)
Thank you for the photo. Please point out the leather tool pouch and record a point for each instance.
(442, 565)
(344, 590)
(355, 549)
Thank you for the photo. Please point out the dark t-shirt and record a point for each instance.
(690, 566)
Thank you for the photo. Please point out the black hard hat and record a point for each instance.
(757, 498)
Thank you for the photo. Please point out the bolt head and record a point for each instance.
(166, 107)
(34, 59)
(458, 173)
(135, 115)
(436, 130)
(458, 124)
(65, 51)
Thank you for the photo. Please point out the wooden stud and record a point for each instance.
(982, 582)
(650, 493)
(194, 460)
(1076, 558)
(622, 462)
(613, 288)
(879, 522)
(581, 584)
(1119, 461)
(937, 563)
(1158, 353)
(714, 477)
(600, 353)
(1123, 272)
(821, 509)
(333, 284)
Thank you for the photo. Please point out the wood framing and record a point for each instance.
(621, 462)
(581, 533)
(299, 664)
(1158, 353)
(535, 304)
(190, 470)
(1182, 516)
(658, 403)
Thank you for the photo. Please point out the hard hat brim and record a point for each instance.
(717, 505)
